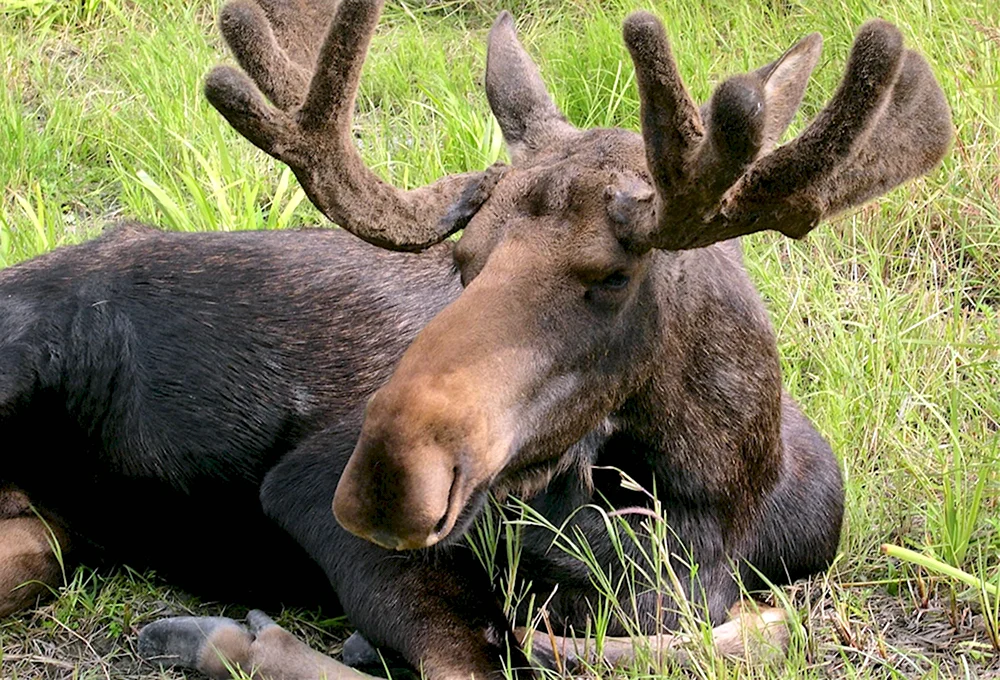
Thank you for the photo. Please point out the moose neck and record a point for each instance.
(708, 415)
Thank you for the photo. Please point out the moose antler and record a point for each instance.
(308, 65)
(715, 179)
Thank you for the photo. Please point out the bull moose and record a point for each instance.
(283, 411)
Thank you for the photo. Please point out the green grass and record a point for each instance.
(887, 318)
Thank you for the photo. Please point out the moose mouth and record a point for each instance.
(524, 482)
(461, 516)
(452, 527)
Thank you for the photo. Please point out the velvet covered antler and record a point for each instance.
(306, 56)
(715, 173)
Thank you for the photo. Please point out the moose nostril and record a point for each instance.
(443, 522)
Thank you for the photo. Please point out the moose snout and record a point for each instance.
(398, 504)
(417, 462)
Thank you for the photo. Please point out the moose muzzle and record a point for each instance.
(451, 418)
(425, 450)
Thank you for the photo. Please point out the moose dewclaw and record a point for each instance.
(318, 402)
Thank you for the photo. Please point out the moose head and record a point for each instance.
(571, 255)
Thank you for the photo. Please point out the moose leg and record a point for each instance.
(28, 564)
(690, 536)
(219, 647)
(435, 607)
(750, 631)
(796, 535)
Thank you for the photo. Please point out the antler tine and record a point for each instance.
(840, 128)
(334, 86)
(923, 141)
(249, 33)
(309, 128)
(887, 122)
(671, 125)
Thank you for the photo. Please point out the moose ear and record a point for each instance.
(784, 82)
(518, 98)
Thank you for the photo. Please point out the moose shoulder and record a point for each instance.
(594, 313)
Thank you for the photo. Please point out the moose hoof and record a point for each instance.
(359, 653)
(200, 642)
(363, 656)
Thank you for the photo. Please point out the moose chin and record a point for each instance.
(334, 406)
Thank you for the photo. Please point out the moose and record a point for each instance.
(309, 417)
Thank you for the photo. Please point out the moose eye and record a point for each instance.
(615, 281)
(606, 292)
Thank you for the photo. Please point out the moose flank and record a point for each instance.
(284, 410)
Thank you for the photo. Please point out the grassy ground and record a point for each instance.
(887, 318)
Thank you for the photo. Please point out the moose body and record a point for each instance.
(594, 314)
(154, 379)
(187, 402)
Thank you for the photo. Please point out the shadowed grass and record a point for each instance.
(887, 318)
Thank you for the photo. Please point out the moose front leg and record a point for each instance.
(436, 608)
(220, 647)
(753, 631)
